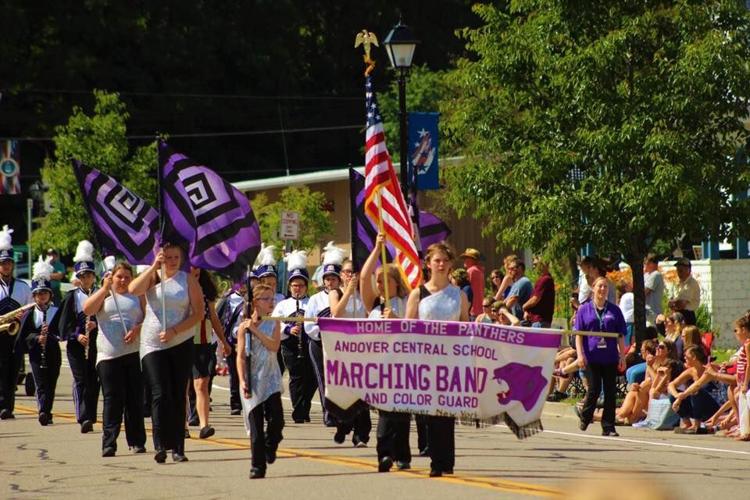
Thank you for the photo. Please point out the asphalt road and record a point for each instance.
(59, 462)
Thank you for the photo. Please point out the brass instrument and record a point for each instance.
(8, 322)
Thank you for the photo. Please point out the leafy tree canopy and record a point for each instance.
(98, 140)
(612, 123)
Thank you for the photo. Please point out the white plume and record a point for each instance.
(84, 252)
(5, 238)
(333, 254)
(297, 259)
(109, 263)
(42, 270)
(266, 257)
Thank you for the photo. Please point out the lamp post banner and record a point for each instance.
(423, 149)
(471, 371)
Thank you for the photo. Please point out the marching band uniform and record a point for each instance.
(45, 360)
(319, 307)
(302, 383)
(119, 369)
(13, 294)
(231, 312)
(82, 360)
(444, 305)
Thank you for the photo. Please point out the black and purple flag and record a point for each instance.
(203, 211)
(123, 223)
(431, 228)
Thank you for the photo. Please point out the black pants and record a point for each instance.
(10, 361)
(85, 379)
(167, 373)
(598, 375)
(393, 436)
(360, 426)
(316, 358)
(302, 383)
(700, 406)
(45, 379)
(122, 387)
(441, 442)
(264, 441)
(234, 381)
(423, 442)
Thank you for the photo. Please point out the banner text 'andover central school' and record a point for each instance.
(466, 370)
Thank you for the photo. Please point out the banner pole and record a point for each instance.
(383, 254)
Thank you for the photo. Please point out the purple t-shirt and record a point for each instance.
(600, 349)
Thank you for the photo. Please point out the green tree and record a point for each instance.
(314, 221)
(98, 140)
(611, 123)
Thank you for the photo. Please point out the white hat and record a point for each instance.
(296, 263)
(6, 244)
(84, 258)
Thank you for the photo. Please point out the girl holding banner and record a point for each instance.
(167, 345)
(387, 301)
(438, 300)
(348, 304)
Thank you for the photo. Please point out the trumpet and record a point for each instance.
(9, 323)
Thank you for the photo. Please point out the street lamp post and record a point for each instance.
(400, 44)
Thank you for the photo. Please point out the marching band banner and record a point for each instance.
(472, 371)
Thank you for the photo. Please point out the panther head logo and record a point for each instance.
(519, 382)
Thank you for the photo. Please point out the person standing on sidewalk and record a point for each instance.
(601, 357)
(472, 263)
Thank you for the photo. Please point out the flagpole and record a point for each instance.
(383, 255)
(161, 239)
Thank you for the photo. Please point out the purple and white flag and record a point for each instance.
(123, 222)
(209, 215)
(471, 371)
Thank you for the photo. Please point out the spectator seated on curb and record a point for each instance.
(503, 315)
(487, 315)
(664, 369)
(695, 404)
(634, 406)
(636, 371)
(561, 380)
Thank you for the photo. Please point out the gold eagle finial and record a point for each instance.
(366, 39)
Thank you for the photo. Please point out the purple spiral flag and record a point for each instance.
(207, 214)
(123, 222)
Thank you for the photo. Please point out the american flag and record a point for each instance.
(380, 176)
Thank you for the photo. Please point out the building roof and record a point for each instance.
(339, 174)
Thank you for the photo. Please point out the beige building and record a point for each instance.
(466, 231)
